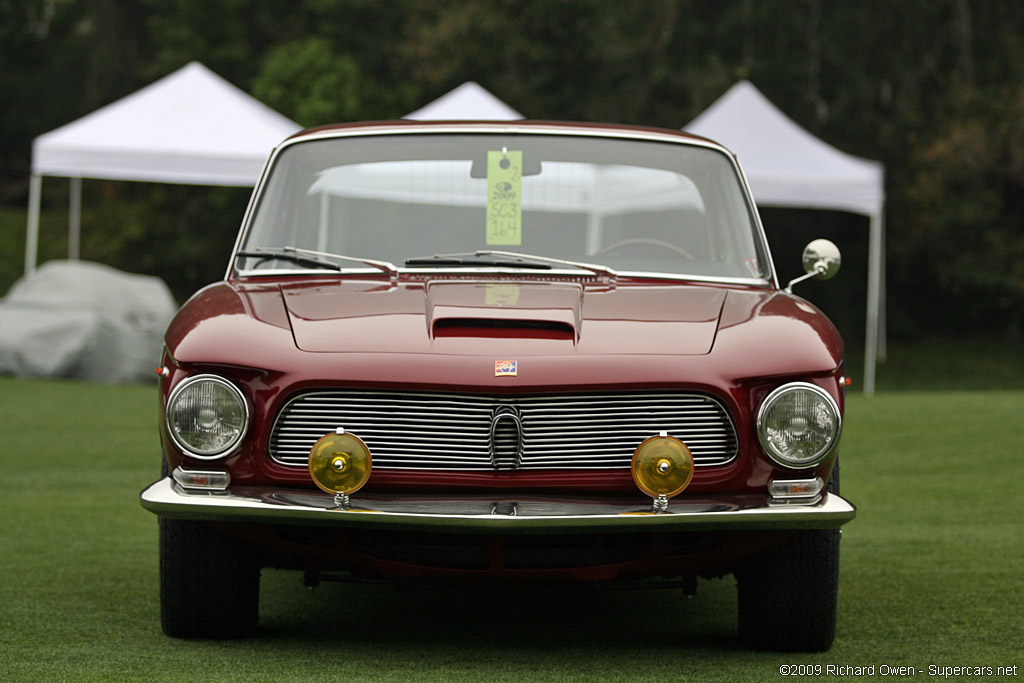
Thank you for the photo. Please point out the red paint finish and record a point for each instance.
(276, 339)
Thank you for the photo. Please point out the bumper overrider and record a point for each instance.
(485, 513)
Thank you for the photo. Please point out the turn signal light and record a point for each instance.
(340, 464)
(203, 480)
(805, 491)
(662, 468)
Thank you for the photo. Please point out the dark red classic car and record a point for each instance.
(517, 351)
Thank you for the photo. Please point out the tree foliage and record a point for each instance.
(308, 82)
(933, 88)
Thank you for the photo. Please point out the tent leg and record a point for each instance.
(75, 219)
(883, 344)
(32, 231)
(874, 300)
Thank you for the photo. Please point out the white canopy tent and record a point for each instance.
(468, 102)
(190, 127)
(788, 167)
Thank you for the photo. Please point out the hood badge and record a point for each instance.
(505, 368)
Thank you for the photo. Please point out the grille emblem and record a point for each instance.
(506, 438)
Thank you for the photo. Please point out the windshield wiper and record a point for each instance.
(315, 259)
(264, 254)
(470, 259)
(592, 267)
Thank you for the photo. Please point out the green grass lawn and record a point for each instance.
(932, 568)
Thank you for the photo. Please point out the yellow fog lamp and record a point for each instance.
(340, 464)
(662, 468)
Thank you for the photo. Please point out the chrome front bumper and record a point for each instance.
(491, 513)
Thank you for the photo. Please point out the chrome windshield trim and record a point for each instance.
(477, 513)
(502, 128)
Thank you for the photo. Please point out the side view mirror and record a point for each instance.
(821, 261)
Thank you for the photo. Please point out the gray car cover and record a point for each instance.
(82, 320)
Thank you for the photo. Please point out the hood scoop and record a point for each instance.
(504, 310)
(504, 328)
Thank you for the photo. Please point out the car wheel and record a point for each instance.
(787, 596)
(209, 582)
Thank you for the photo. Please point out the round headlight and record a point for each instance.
(798, 425)
(207, 416)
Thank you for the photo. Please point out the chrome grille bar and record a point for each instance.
(407, 430)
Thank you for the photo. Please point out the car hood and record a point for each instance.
(450, 331)
(532, 318)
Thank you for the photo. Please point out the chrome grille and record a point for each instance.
(453, 431)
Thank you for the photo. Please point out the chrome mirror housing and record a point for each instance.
(821, 261)
(822, 258)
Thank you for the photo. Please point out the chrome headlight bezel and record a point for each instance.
(820, 400)
(237, 430)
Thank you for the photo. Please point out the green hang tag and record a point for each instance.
(504, 198)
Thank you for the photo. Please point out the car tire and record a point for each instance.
(787, 597)
(209, 582)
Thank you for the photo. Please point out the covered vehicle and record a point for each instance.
(84, 320)
(521, 351)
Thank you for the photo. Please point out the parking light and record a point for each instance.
(203, 480)
(796, 491)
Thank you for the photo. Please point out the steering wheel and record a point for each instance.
(645, 240)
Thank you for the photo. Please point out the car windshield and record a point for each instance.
(447, 201)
